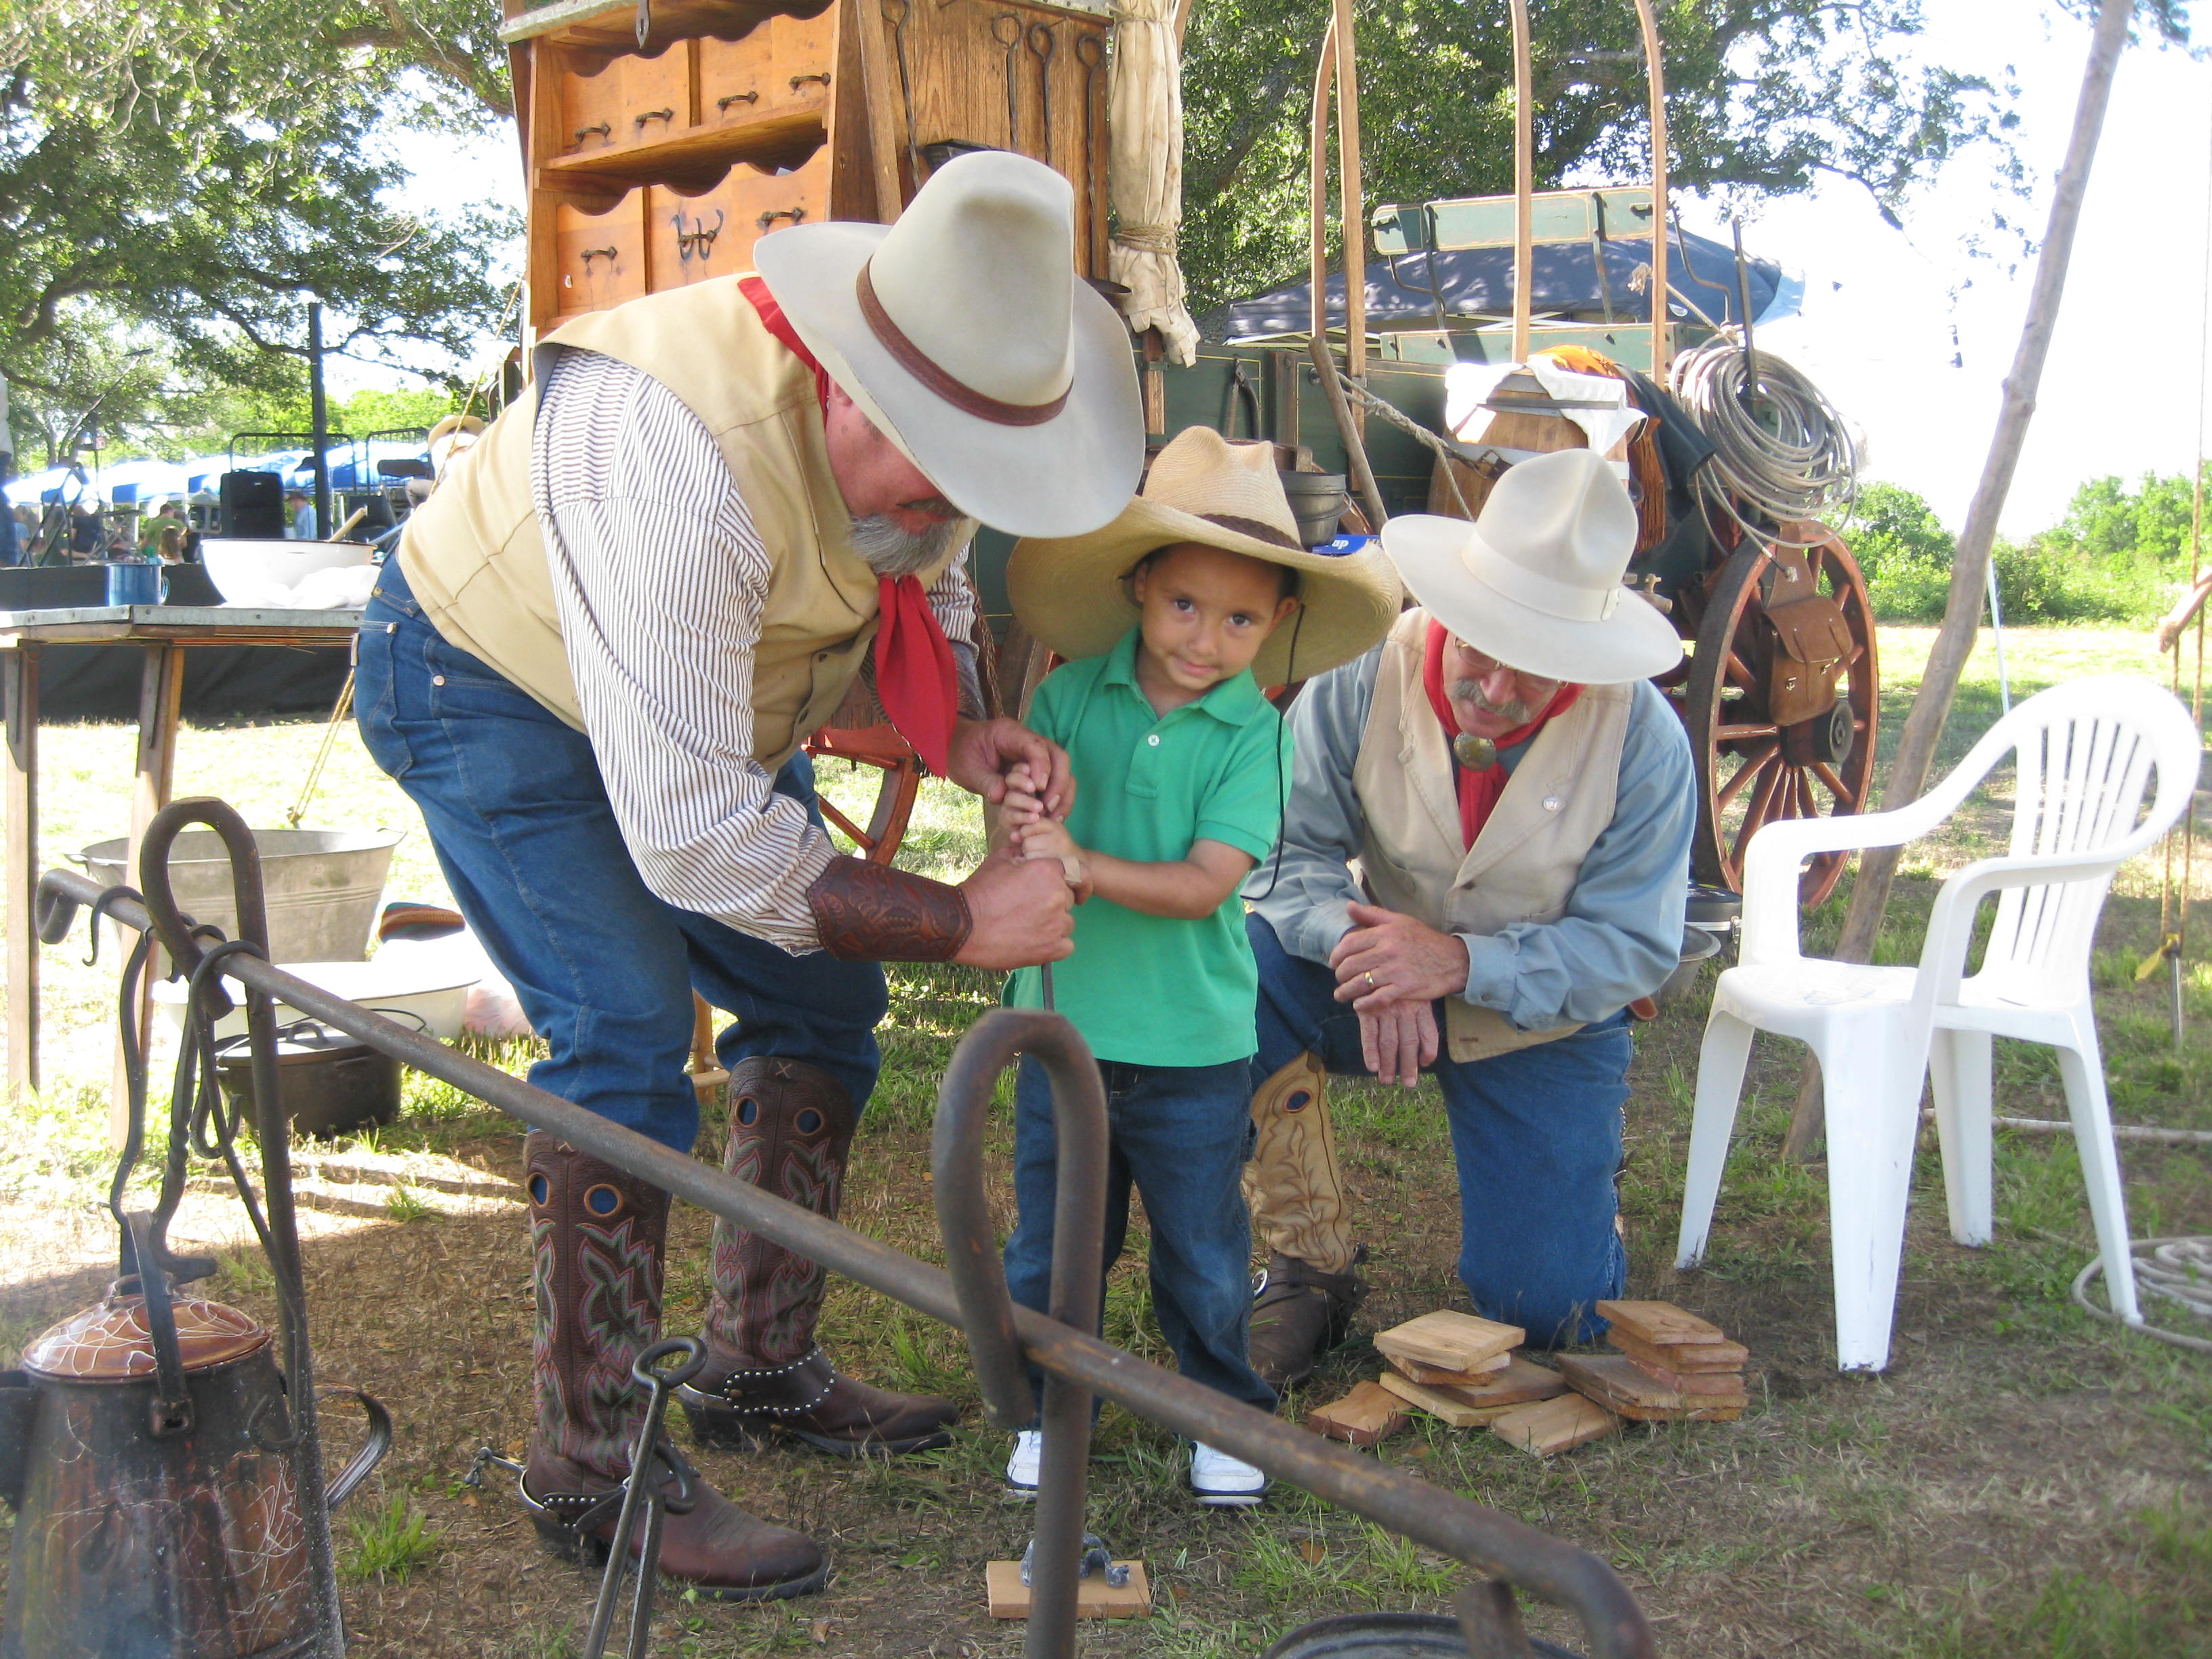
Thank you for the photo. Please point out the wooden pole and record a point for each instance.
(1355, 451)
(876, 81)
(1350, 200)
(1654, 74)
(1317, 180)
(1524, 182)
(1955, 640)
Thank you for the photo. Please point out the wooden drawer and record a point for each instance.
(599, 258)
(692, 237)
(781, 68)
(612, 103)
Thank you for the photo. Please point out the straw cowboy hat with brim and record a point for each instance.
(964, 334)
(1535, 581)
(1072, 591)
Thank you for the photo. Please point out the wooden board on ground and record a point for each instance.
(1661, 1324)
(1516, 1383)
(1094, 1597)
(1691, 1382)
(1435, 1377)
(1614, 1381)
(1449, 1341)
(1554, 1425)
(1437, 1403)
(1710, 1356)
(1367, 1416)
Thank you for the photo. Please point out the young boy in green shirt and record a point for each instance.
(1180, 768)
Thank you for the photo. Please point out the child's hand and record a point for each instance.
(1048, 838)
(1022, 803)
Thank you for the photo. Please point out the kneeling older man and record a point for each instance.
(1483, 863)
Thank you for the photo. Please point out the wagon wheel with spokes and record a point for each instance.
(1751, 771)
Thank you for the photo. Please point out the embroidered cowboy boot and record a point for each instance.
(790, 1127)
(597, 1238)
(1304, 1302)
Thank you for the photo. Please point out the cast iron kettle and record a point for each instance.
(144, 1446)
(165, 1467)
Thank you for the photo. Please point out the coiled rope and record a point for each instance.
(2178, 1268)
(1784, 450)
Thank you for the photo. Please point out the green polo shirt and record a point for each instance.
(1149, 990)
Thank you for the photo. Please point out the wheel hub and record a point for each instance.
(1832, 734)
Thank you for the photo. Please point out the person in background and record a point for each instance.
(303, 516)
(169, 543)
(87, 535)
(1483, 863)
(1180, 609)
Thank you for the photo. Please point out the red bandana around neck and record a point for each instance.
(1478, 790)
(917, 680)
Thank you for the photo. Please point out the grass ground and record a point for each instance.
(2023, 1482)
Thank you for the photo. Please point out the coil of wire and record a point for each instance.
(1784, 451)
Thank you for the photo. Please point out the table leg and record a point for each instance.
(161, 702)
(18, 690)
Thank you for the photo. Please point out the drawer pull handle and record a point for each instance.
(610, 254)
(653, 115)
(798, 80)
(795, 215)
(698, 243)
(723, 104)
(605, 130)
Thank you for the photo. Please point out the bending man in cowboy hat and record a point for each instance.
(593, 665)
(1518, 800)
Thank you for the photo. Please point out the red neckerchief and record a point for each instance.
(1478, 790)
(917, 681)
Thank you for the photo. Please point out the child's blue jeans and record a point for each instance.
(1180, 1134)
(1536, 1134)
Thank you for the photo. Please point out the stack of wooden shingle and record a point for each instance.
(1671, 1366)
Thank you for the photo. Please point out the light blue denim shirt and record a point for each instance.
(1622, 932)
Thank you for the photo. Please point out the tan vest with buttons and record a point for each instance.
(475, 552)
(1523, 865)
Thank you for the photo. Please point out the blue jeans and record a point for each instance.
(519, 818)
(1180, 1134)
(1535, 1134)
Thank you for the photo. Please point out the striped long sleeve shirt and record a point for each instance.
(661, 577)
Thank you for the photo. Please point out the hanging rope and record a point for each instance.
(1413, 429)
(1784, 449)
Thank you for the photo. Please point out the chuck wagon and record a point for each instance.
(661, 138)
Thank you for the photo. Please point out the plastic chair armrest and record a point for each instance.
(1951, 921)
(1770, 864)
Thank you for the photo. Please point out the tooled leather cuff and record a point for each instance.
(872, 913)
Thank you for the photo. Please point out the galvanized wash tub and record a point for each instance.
(324, 885)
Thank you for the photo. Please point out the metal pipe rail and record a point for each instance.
(1481, 1538)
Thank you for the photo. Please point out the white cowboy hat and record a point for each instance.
(1070, 591)
(962, 333)
(1534, 581)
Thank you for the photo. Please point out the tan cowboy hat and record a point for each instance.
(962, 333)
(1534, 581)
(1070, 593)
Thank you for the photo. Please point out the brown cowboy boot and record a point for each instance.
(597, 1237)
(791, 1126)
(1303, 1304)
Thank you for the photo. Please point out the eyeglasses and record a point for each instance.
(1482, 667)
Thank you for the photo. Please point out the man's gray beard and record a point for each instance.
(1515, 712)
(890, 551)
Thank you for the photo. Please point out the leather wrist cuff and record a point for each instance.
(872, 913)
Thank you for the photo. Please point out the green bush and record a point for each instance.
(2063, 575)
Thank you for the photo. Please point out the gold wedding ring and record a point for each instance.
(1371, 979)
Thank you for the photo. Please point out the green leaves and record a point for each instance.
(193, 173)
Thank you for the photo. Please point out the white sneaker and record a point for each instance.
(1222, 1481)
(1022, 1466)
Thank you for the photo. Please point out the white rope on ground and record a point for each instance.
(2179, 1268)
(1804, 461)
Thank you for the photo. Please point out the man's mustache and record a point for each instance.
(1470, 691)
(936, 505)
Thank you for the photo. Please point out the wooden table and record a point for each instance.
(163, 633)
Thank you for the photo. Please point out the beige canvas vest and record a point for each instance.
(1523, 865)
(475, 552)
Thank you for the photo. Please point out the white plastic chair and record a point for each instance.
(2086, 751)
